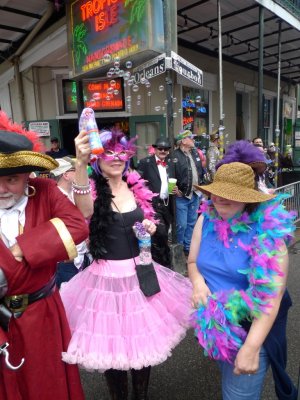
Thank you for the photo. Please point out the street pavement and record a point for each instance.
(189, 375)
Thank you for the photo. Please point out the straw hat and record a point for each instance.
(235, 181)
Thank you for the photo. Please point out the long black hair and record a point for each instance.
(101, 218)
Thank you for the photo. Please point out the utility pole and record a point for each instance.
(221, 119)
(277, 130)
(169, 98)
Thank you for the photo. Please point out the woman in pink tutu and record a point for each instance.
(115, 327)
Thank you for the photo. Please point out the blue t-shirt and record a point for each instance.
(220, 265)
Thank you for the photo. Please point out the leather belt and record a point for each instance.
(18, 303)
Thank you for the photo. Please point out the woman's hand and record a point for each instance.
(149, 226)
(83, 149)
(247, 360)
(200, 293)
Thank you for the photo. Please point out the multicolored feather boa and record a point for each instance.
(142, 194)
(218, 324)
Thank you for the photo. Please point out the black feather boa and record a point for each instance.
(101, 218)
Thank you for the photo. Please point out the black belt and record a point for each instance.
(18, 303)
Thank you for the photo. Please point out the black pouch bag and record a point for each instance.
(147, 279)
(146, 273)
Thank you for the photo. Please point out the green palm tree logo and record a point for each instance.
(79, 43)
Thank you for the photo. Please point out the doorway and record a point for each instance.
(69, 129)
(147, 128)
(243, 130)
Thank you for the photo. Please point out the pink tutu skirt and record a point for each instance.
(115, 326)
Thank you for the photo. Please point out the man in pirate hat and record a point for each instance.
(39, 226)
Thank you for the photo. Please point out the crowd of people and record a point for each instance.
(86, 275)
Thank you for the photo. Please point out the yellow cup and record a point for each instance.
(171, 184)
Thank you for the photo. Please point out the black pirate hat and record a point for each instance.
(17, 150)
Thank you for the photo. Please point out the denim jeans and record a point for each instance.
(243, 387)
(186, 217)
(65, 271)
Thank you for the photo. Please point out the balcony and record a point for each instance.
(293, 6)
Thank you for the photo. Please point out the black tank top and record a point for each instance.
(118, 247)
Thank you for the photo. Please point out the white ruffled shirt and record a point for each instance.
(11, 220)
(81, 247)
(164, 180)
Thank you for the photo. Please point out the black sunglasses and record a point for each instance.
(163, 148)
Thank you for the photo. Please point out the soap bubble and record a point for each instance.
(149, 94)
(157, 108)
(143, 81)
(126, 76)
(135, 88)
(130, 82)
(128, 64)
(112, 83)
(165, 102)
(117, 62)
(107, 58)
(116, 92)
(198, 99)
(174, 99)
(109, 74)
(161, 88)
(174, 115)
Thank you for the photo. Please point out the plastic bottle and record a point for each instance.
(88, 123)
(144, 241)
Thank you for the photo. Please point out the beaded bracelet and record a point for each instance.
(81, 189)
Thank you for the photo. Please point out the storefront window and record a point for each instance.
(195, 113)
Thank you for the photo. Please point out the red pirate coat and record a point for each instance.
(53, 226)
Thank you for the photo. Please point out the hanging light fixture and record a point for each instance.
(185, 25)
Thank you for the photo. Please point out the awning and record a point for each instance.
(198, 30)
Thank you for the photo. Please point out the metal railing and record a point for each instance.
(293, 202)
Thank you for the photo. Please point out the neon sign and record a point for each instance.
(105, 13)
(120, 28)
(95, 95)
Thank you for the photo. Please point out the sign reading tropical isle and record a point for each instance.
(100, 31)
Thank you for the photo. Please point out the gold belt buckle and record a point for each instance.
(17, 303)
